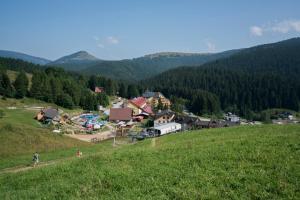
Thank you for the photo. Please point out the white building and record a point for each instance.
(232, 118)
(167, 128)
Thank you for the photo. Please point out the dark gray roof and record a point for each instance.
(148, 94)
(50, 113)
(164, 112)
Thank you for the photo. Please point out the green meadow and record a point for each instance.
(246, 162)
(21, 135)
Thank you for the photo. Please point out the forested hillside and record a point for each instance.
(254, 79)
(55, 85)
(150, 65)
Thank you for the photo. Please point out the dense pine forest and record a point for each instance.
(55, 85)
(252, 80)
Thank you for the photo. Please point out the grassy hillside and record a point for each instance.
(257, 162)
(21, 135)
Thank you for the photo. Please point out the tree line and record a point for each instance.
(55, 85)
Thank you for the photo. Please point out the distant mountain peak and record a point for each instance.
(80, 56)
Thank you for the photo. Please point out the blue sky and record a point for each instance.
(117, 29)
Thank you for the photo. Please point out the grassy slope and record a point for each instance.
(259, 162)
(20, 103)
(21, 135)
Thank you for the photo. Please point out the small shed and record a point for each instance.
(48, 114)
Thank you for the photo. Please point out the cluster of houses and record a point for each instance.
(284, 118)
(138, 108)
(124, 114)
(164, 121)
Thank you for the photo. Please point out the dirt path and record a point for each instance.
(29, 167)
(22, 168)
(99, 136)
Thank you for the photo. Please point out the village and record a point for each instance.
(137, 118)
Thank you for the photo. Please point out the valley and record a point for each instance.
(149, 100)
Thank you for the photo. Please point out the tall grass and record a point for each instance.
(259, 162)
(21, 136)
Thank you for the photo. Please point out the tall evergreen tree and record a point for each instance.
(123, 90)
(103, 99)
(21, 85)
(36, 87)
(6, 88)
(132, 91)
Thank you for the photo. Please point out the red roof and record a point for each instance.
(120, 114)
(148, 109)
(139, 102)
(99, 89)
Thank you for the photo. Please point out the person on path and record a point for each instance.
(35, 159)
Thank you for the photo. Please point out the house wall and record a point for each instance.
(136, 110)
(154, 101)
(170, 129)
(163, 119)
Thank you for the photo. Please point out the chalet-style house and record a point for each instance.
(140, 106)
(99, 89)
(187, 122)
(153, 99)
(163, 117)
(120, 114)
(48, 115)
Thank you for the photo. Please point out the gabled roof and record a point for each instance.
(148, 109)
(50, 113)
(99, 89)
(120, 114)
(164, 112)
(148, 94)
(140, 102)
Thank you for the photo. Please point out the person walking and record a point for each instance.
(35, 159)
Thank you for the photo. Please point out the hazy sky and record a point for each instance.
(116, 29)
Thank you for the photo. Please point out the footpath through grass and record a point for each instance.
(255, 162)
(21, 136)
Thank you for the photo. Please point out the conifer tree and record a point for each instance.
(6, 88)
(21, 85)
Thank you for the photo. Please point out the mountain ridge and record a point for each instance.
(24, 57)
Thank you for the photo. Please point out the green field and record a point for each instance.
(249, 162)
(21, 135)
